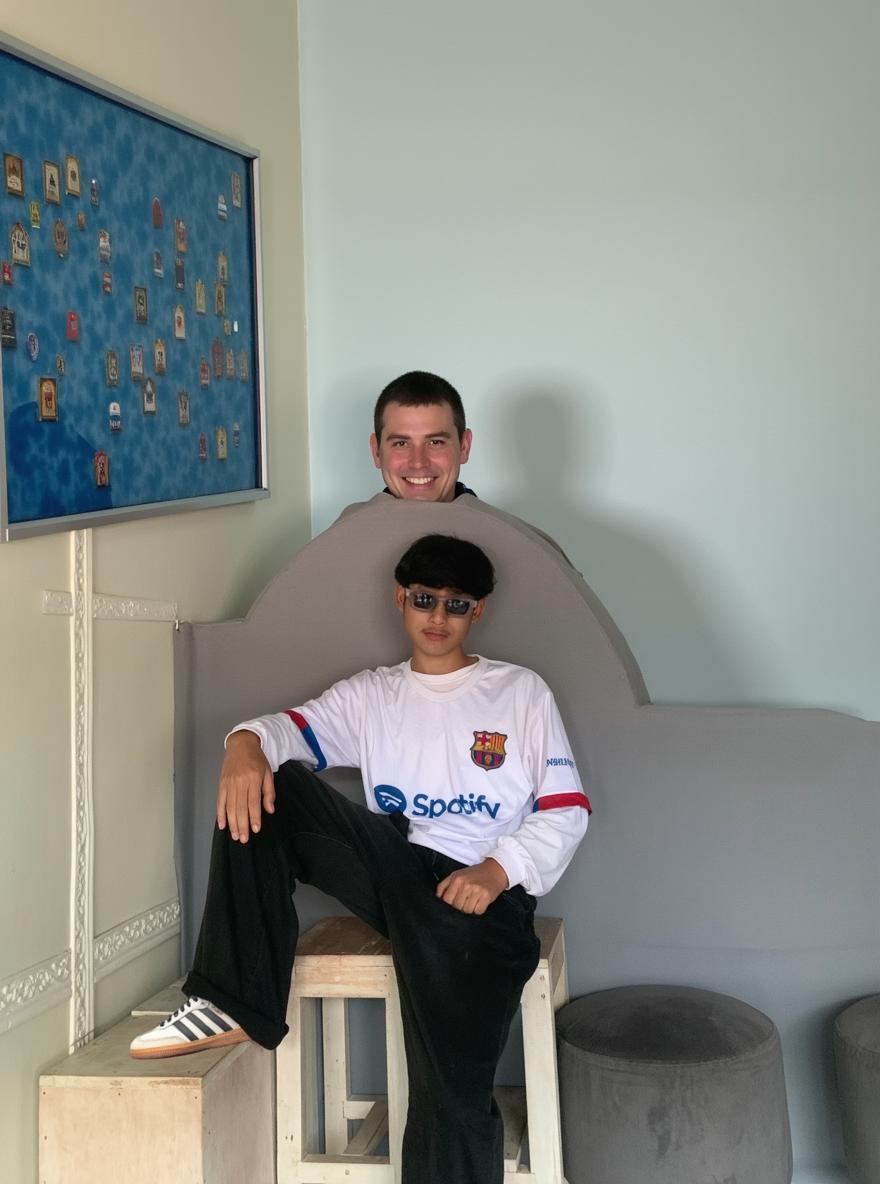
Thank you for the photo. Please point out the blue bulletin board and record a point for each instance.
(131, 369)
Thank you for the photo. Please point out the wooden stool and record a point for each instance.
(342, 958)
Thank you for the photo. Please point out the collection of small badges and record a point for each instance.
(224, 364)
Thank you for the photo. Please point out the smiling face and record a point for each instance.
(420, 453)
(437, 637)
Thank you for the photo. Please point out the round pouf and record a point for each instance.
(857, 1057)
(671, 1085)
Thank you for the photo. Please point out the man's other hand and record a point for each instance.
(472, 889)
(247, 786)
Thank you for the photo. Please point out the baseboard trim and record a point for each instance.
(135, 937)
(111, 608)
(37, 989)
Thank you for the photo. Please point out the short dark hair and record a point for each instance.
(418, 388)
(442, 561)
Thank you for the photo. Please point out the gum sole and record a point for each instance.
(179, 1050)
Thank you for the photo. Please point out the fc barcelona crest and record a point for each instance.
(487, 750)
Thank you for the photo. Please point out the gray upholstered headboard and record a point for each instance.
(330, 613)
(730, 848)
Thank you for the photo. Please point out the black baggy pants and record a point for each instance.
(460, 977)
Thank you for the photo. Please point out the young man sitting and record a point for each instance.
(474, 808)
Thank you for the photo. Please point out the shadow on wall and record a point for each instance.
(638, 568)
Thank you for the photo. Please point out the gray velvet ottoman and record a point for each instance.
(857, 1057)
(671, 1085)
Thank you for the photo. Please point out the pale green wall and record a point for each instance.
(644, 241)
(231, 68)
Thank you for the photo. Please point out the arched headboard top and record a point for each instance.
(329, 611)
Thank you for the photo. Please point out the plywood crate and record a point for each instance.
(205, 1118)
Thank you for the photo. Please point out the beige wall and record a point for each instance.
(231, 68)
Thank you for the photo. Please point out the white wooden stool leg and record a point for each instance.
(558, 976)
(336, 1074)
(542, 1083)
(398, 1083)
(296, 1096)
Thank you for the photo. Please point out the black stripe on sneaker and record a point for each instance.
(215, 1019)
(200, 1023)
(185, 1030)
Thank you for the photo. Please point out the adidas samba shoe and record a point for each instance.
(196, 1025)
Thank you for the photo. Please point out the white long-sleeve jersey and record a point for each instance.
(478, 761)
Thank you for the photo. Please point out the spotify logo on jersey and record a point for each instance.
(389, 799)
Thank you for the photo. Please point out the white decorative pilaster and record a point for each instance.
(82, 1021)
(90, 958)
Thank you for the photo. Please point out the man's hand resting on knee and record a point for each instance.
(247, 786)
(472, 889)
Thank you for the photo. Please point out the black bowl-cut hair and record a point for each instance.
(442, 561)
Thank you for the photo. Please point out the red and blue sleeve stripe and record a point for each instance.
(559, 801)
(310, 738)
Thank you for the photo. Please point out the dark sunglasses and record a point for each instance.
(425, 602)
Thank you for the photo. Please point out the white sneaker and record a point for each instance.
(196, 1025)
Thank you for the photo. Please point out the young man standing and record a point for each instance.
(474, 807)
